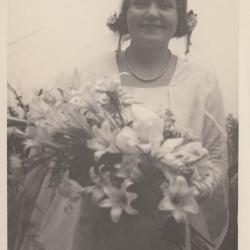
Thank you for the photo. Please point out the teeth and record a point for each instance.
(152, 25)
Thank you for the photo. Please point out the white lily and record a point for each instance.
(166, 153)
(179, 199)
(101, 180)
(119, 200)
(128, 168)
(103, 141)
(148, 126)
(127, 141)
(191, 152)
(176, 153)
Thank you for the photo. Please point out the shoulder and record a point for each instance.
(197, 74)
(87, 70)
(99, 66)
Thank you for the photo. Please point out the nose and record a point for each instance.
(152, 10)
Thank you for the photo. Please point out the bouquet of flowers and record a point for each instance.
(98, 142)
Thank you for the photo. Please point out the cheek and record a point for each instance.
(171, 21)
(133, 18)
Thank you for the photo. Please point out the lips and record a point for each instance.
(151, 25)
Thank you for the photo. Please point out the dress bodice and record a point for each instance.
(193, 95)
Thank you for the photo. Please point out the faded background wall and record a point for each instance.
(46, 37)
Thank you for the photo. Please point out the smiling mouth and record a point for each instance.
(151, 26)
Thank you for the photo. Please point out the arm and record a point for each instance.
(215, 186)
(214, 139)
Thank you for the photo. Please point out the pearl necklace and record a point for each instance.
(141, 78)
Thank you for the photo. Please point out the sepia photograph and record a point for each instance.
(122, 124)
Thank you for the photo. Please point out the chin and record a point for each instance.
(153, 40)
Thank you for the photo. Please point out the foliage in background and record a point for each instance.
(231, 240)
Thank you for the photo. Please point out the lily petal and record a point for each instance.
(136, 174)
(166, 204)
(191, 207)
(111, 191)
(94, 177)
(126, 184)
(171, 144)
(179, 216)
(131, 210)
(172, 161)
(88, 189)
(106, 131)
(182, 185)
(95, 144)
(97, 195)
(99, 154)
(131, 197)
(116, 213)
(106, 203)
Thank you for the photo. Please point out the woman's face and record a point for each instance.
(152, 21)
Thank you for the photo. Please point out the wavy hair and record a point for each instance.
(182, 27)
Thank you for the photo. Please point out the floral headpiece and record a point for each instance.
(192, 21)
(114, 24)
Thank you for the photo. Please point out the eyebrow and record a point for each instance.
(168, 1)
(161, 1)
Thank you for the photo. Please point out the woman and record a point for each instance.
(159, 80)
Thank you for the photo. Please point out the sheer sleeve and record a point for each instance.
(215, 140)
(214, 135)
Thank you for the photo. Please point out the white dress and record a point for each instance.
(194, 96)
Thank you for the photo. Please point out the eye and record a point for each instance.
(140, 3)
(166, 4)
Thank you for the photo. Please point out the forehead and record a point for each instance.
(171, 2)
(148, 1)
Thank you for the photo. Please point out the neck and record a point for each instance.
(148, 55)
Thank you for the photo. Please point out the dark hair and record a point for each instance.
(181, 29)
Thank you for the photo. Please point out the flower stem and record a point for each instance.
(187, 234)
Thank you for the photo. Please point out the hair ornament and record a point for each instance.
(114, 24)
(192, 21)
